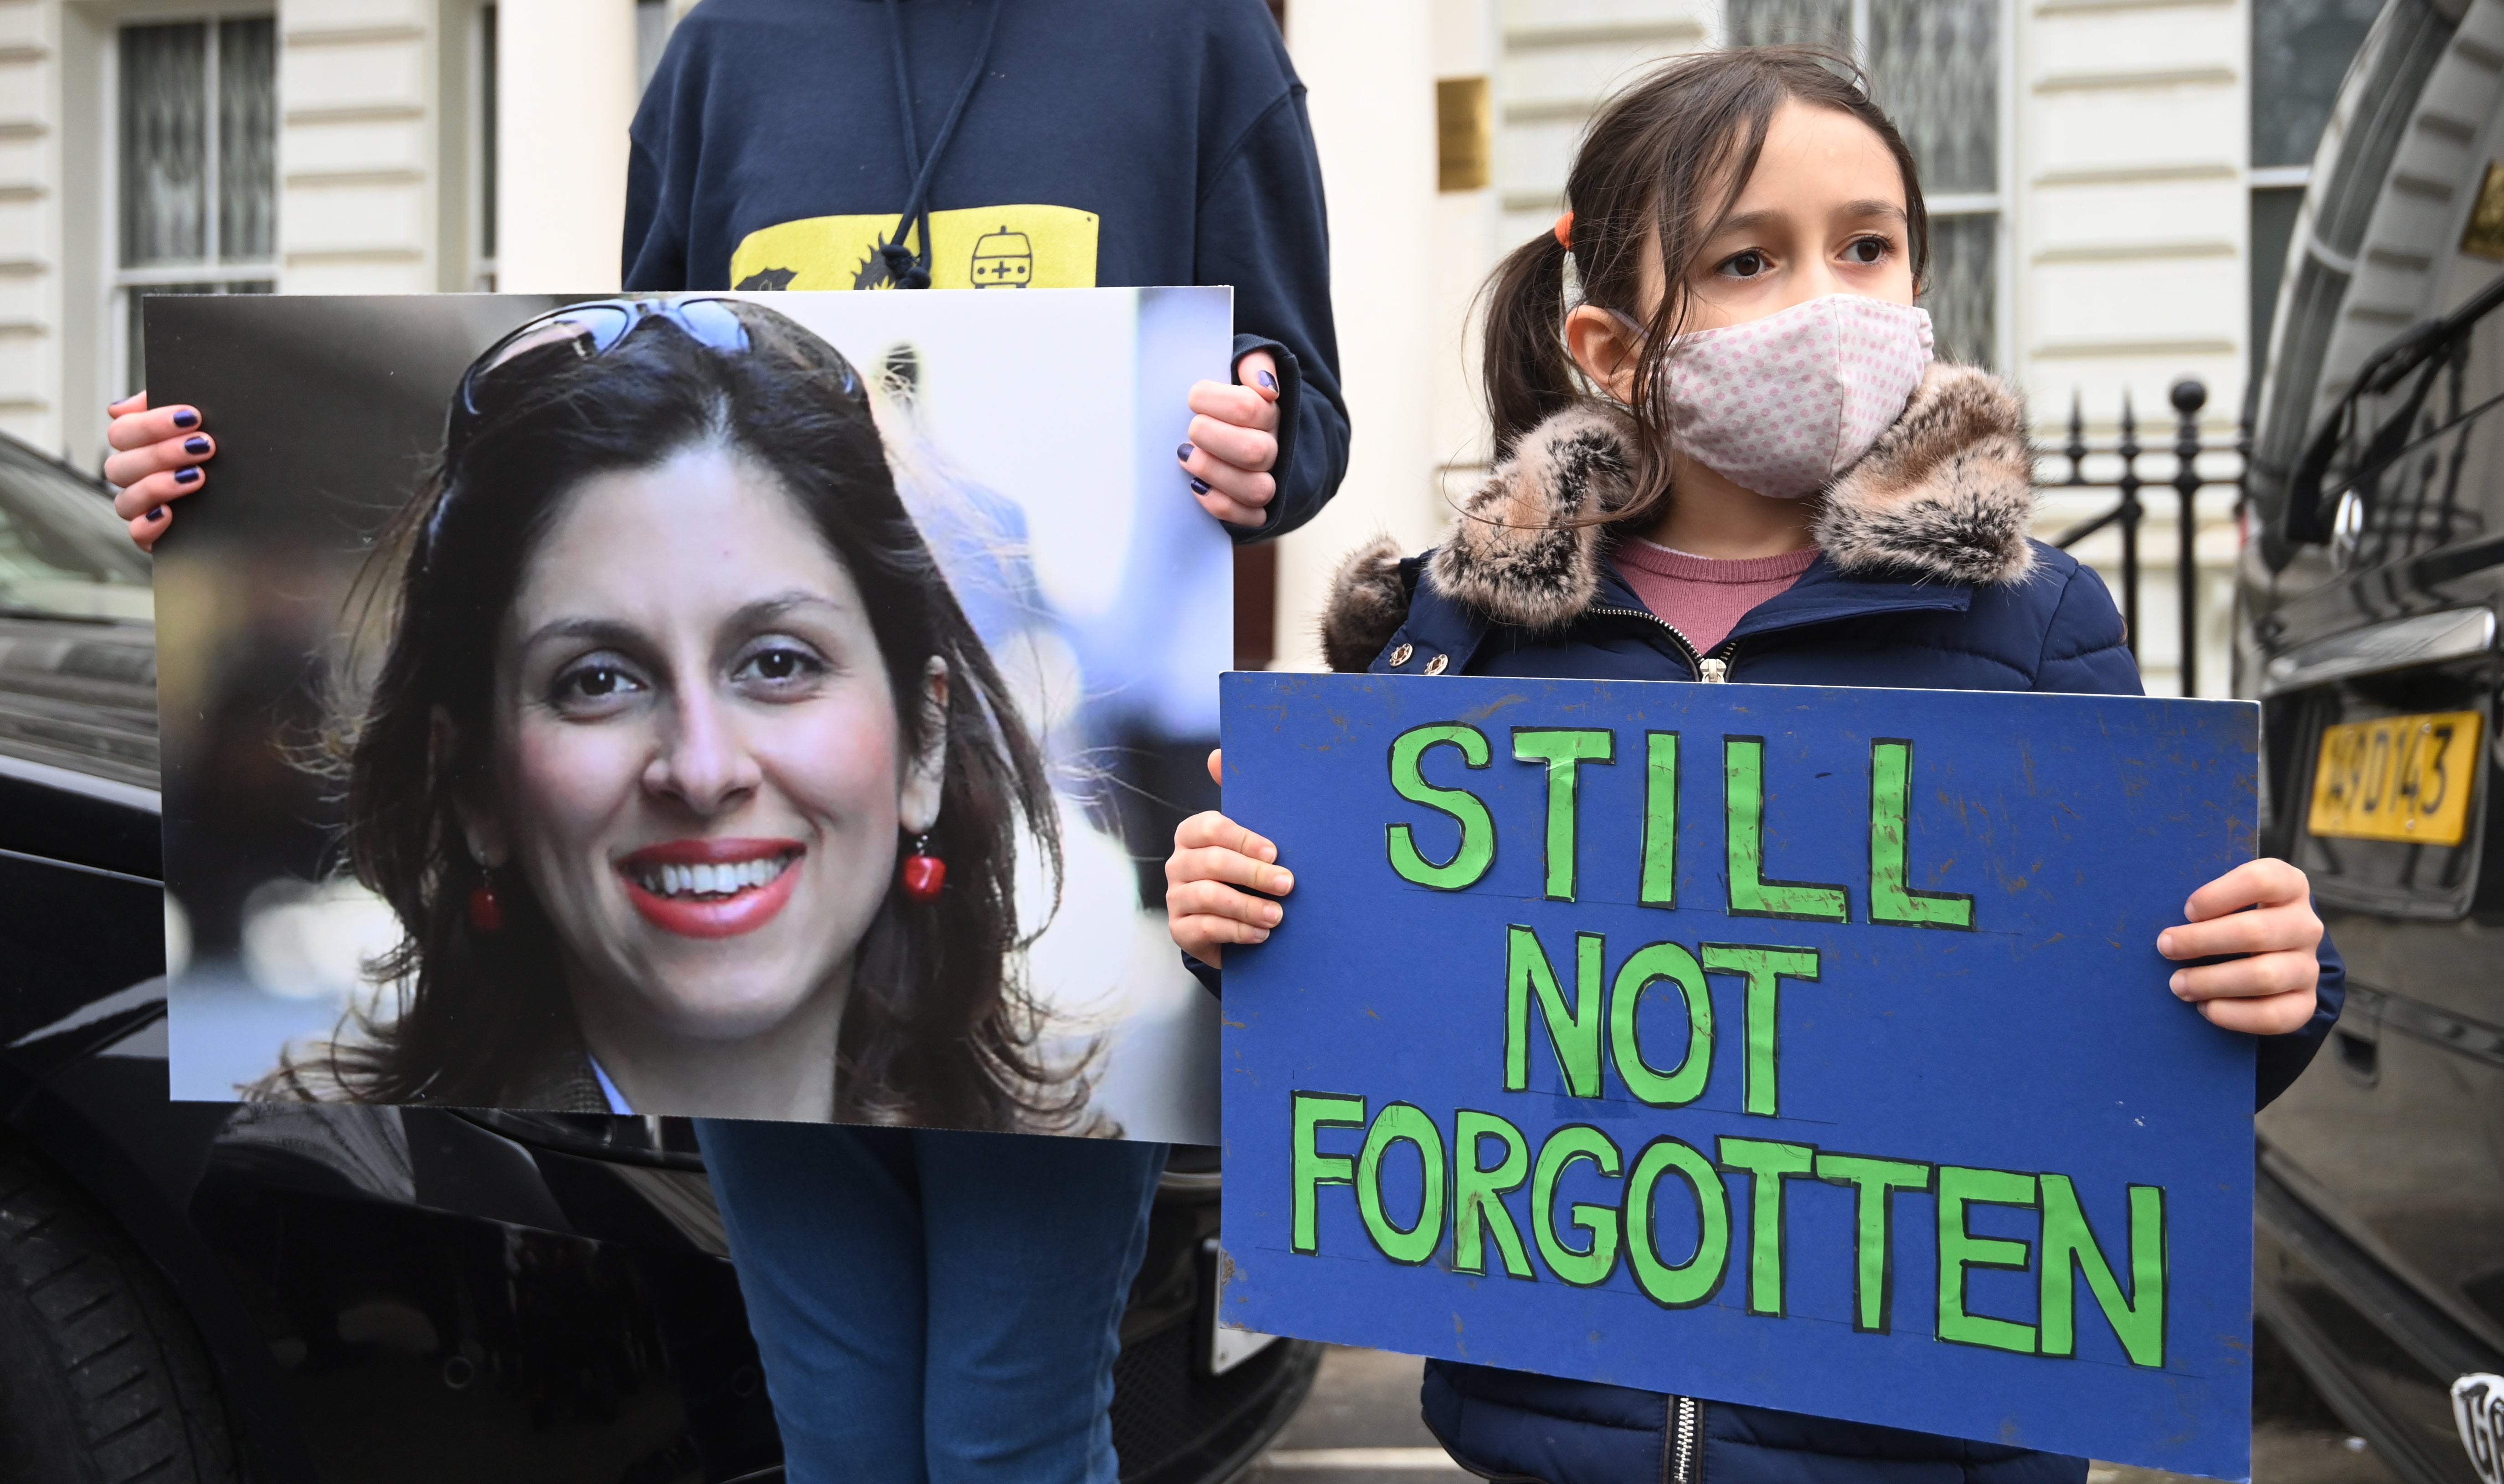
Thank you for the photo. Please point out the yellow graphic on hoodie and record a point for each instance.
(981, 247)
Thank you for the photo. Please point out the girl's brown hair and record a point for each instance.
(937, 1030)
(1664, 159)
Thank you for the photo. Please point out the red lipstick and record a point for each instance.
(711, 888)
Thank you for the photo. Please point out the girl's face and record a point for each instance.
(698, 765)
(1823, 214)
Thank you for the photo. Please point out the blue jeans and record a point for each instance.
(934, 1305)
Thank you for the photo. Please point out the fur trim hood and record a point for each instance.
(1946, 494)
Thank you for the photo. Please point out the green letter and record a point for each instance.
(1477, 1193)
(1752, 895)
(1309, 1168)
(1693, 1281)
(1575, 1032)
(1661, 820)
(1874, 1183)
(1587, 1266)
(1768, 1165)
(1685, 1082)
(2137, 1322)
(1890, 807)
(1476, 849)
(1960, 1250)
(1765, 968)
(1394, 1122)
(1565, 750)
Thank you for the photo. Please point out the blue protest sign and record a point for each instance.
(1793, 1046)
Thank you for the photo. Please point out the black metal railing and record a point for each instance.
(2187, 478)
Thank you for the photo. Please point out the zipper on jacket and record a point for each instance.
(1713, 668)
(1685, 1440)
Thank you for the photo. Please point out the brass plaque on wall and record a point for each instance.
(1464, 134)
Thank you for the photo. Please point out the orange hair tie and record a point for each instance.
(1564, 230)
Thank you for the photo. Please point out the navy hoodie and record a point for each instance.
(1109, 143)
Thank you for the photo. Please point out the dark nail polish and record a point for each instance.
(195, 446)
(156, 515)
(187, 476)
(1200, 487)
(1268, 382)
(1183, 452)
(187, 418)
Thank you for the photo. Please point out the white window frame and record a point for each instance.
(119, 282)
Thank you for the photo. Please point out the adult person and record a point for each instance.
(935, 1305)
(683, 700)
(1002, 144)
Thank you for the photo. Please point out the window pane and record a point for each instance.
(2301, 49)
(165, 144)
(2272, 225)
(652, 37)
(1963, 298)
(247, 139)
(1766, 22)
(1934, 65)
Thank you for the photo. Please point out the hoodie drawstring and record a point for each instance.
(906, 269)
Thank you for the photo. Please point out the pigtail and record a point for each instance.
(1528, 375)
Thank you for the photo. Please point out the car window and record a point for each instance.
(2381, 95)
(2424, 465)
(63, 553)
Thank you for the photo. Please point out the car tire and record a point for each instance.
(102, 1380)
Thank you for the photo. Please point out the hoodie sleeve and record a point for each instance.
(1261, 229)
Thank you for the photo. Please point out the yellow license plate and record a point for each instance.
(2398, 777)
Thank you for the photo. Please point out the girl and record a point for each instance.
(1725, 454)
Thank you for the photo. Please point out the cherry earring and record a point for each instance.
(486, 913)
(923, 872)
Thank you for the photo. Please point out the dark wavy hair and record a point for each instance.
(937, 1028)
(1664, 160)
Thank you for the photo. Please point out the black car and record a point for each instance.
(292, 1293)
(2368, 600)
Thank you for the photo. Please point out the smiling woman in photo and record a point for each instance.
(688, 781)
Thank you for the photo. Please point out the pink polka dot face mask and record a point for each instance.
(1782, 404)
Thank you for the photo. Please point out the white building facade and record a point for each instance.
(2109, 182)
(313, 147)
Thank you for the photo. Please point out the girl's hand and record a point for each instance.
(156, 461)
(1234, 444)
(1214, 856)
(2268, 990)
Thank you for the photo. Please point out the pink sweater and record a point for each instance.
(1700, 597)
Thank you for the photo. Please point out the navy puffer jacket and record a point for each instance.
(1926, 579)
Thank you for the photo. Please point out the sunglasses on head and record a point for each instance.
(586, 331)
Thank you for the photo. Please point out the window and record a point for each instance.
(1936, 68)
(196, 158)
(2301, 49)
